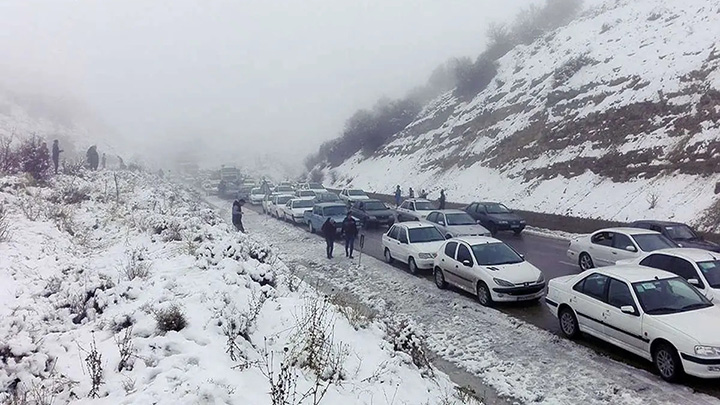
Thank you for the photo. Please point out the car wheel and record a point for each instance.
(388, 256)
(412, 266)
(667, 362)
(483, 294)
(568, 323)
(312, 230)
(440, 279)
(585, 262)
(493, 229)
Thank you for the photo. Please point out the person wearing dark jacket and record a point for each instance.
(398, 196)
(329, 232)
(442, 199)
(350, 231)
(237, 215)
(56, 151)
(411, 193)
(92, 157)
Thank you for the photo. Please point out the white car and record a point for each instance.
(350, 195)
(267, 202)
(413, 243)
(306, 194)
(316, 187)
(489, 269)
(256, 196)
(294, 209)
(414, 209)
(606, 246)
(698, 267)
(652, 313)
(456, 223)
(277, 202)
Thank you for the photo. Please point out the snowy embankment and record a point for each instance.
(130, 289)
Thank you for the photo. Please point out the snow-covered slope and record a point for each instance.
(90, 275)
(613, 116)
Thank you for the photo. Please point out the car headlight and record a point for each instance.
(540, 279)
(707, 351)
(503, 283)
(426, 255)
(522, 221)
(502, 222)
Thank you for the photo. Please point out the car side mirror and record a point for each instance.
(630, 248)
(694, 281)
(467, 263)
(522, 256)
(628, 309)
(478, 222)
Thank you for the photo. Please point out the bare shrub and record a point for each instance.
(283, 384)
(170, 318)
(93, 365)
(69, 192)
(4, 224)
(63, 216)
(359, 315)
(40, 392)
(172, 232)
(240, 324)
(406, 339)
(570, 68)
(605, 28)
(652, 199)
(35, 157)
(137, 265)
(32, 206)
(74, 167)
(126, 349)
(9, 158)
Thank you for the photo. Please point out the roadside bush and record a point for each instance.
(570, 68)
(137, 264)
(9, 158)
(34, 157)
(170, 318)
(4, 224)
(405, 338)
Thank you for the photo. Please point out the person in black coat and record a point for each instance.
(92, 157)
(237, 215)
(350, 231)
(442, 199)
(56, 155)
(329, 232)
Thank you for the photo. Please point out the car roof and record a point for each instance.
(370, 200)
(692, 254)
(477, 240)
(486, 202)
(656, 222)
(416, 224)
(331, 204)
(632, 231)
(284, 195)
(450, 211)
(633, 273)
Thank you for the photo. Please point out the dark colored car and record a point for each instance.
(496, 217)
(679, 233)
(372, 213)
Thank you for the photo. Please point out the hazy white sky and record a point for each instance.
(236, 76)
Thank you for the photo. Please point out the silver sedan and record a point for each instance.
(456, 223)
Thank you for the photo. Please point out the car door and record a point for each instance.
(464, 268)
(621, 248)
(441, 222)
(588, 303)
(390, 238)
(623, 329)
(401, 211)
(600, 248)
(447, 262)
(403, 245)
(482, 215)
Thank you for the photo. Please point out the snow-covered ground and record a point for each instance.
(134, 290)
(640, 55)
(516, 359)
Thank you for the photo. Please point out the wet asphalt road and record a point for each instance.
(549, 255)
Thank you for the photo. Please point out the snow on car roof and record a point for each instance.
(450, 211)
(631, 231)
(478, 240)
(693, 254)
(416, 224)
(633, 273)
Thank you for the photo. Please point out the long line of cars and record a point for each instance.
(647, 288)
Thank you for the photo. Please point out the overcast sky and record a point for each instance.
(242, 75)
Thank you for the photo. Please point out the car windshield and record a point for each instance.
(315, 186)
(256, 191)
(426, 234)
(711, 270)
(333, 211)
(459, 219)
(669, 296)
(356, 192)
(424, 206)
(497, 209)
(327, 197)
(283, 188)
(651, 241)
(375, 206)
(303, 204)
(283, 199)
(680, 232)
(495, 254)
(307, 193)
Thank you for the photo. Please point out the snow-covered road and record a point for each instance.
(514, 358)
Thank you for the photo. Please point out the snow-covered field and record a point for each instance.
(639, 55)
(132, 290)
(514, 358)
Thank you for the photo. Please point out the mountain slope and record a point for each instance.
(614, 116)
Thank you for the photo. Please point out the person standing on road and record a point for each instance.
(92, 157)
(411, 193)
(237, 215)
(350, 231)
(423, 193)
(329, 232)
(56, 151)
(442, 199)
(398, 196)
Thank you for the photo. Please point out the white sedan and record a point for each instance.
(652, 313)
(256, 196)
(488, 268)
(606, 246)
(350, 195)
(414, 209)
(276, 203)
(413, 243)
(698, 267)
(294, 210)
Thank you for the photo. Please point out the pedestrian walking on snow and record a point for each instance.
(329, 232)
(398, 196)
(237, 215)
(56, 151)
(92, 157)
(411, 193)
(442, 199)
(350, 231)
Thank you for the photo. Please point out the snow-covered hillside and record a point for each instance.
(130, 289)
(613, 116)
